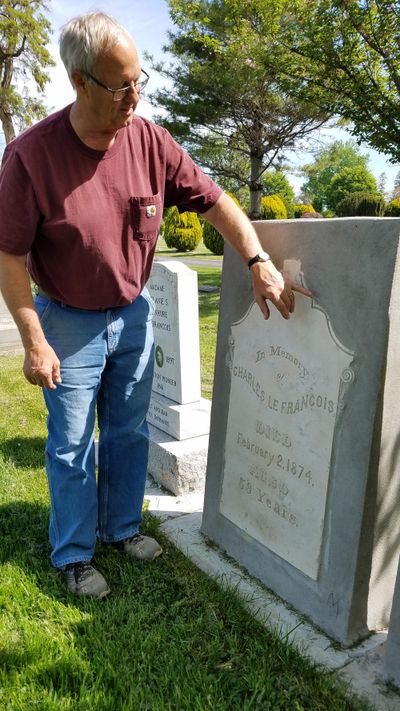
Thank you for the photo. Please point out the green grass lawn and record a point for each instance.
(208, 321)
(167, 639)
(200, 252)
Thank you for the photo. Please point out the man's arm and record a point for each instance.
(41, 365)
(268, 282)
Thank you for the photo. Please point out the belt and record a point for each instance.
(42, 292)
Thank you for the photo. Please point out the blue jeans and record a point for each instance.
(106, 364)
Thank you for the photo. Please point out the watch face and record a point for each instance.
(264, 257)
(260, 257)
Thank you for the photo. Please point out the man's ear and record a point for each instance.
(79, 81)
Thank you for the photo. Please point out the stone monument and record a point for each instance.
(179, 418)
(303, 467)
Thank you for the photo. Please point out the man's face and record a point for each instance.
(116, 69)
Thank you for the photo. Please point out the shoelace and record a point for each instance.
(79, 569)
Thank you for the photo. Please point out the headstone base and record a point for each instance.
(179, 467)
(179, 421)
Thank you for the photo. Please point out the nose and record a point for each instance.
(134, 88)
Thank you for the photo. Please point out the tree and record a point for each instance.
(349, 180)
(276, 183)
(327, 163)
(382, 183)
(345, 57)
(223, 94)
(24, 33)
(396, 187)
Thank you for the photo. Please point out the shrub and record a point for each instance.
(347, 181)
(362, 204)
(273, 208)
(182, 231)
(393, 208)
(212, 239)
(372, 205)
(301, 208)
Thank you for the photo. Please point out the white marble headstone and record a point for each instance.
(287, 383)
(173, 288)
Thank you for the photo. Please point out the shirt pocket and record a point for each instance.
(146, 213)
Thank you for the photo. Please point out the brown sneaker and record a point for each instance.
(139, 547)
(83, 579)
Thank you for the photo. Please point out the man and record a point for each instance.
(81, 201)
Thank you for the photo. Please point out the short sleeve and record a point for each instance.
(187, 186)
(19, 212)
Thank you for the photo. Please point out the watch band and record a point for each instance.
(260, 257)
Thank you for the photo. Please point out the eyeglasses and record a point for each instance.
(119, 94)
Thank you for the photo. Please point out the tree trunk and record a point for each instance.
(256, 167)
(6, 74)
(7, 124)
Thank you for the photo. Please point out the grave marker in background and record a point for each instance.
(178, 457)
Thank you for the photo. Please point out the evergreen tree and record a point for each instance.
(224, 94)
(24, 33)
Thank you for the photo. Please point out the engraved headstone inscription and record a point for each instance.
(305, 424)
(278, 456)
(173, 288)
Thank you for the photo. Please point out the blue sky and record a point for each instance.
(148, 22)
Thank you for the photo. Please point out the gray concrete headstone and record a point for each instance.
(303, 477)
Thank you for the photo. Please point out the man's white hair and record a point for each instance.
(87, 36)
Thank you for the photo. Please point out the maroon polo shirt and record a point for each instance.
(89, 219)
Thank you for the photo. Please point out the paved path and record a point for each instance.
(194, 261)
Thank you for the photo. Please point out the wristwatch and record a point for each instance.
(260, 257)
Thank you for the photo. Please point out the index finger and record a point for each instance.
(283, 309)
(300, 289)
(47, 382)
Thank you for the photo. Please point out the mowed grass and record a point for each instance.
(167, 639)
(201, 251)
(208, 323)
